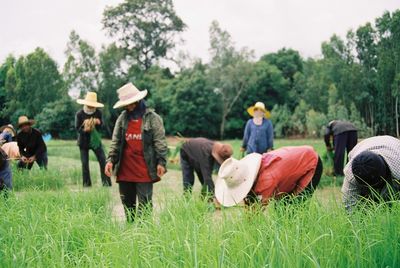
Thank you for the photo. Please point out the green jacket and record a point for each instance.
(153, 139)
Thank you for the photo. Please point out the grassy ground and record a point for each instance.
(51, 221)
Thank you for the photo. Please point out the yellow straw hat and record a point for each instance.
(90, 100)
(260, 106)
(24, 120)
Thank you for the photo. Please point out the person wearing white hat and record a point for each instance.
(88, 122)
(259, 133)
(32, 147)
(138, 151)
(276, 174)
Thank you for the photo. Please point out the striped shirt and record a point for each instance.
(386, 146)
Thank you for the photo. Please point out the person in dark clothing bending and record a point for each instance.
(31, 145)
(199, 155)
(88, 122)
(344, 136)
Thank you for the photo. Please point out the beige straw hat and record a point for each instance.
(236, 178)
(129, 94)
(24, 120)
(90, 100)
(260, 106)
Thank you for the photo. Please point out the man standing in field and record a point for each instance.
(88, 122)
(31, 145)
(344, 136)
(199, 155)
(287, 171)
(373, 171)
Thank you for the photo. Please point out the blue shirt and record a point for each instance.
(258, 139)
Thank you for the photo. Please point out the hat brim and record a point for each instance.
(90, 103)
(30, 122)
(141, 95)
(14, 133)
(267, 114)
(231, 196)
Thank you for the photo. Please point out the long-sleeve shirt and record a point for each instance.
(84, 137)
(258, 138)
(285, 170)
(386, 146)
(31, 143)
(198, 151)
(337, 127)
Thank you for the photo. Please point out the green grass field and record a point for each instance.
(51, 221)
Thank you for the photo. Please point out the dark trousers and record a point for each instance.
(129, 191)
(342, 142)
(41, 160)
(101, 158)
(188, 177)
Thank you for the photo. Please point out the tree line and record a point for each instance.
(357, 78)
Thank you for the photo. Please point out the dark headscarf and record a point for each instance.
(139, 111)
(371, 169)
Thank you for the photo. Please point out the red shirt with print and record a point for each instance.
(133, 165)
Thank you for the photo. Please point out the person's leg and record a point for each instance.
(85, 167)
(101, 158)
(352, 139)
(42, 160)
(145, 195)
(340, 142)
(5, 180)
(127, 192)
(187, 174)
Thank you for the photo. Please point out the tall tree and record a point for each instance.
(145, 29)
(81, 73)
(231, 71)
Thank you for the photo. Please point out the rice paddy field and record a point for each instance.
(49, 220)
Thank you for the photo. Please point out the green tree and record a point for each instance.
(145, 29)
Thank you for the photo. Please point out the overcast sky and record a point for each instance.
(262, 25)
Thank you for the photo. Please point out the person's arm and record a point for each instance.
(246, 135)
(206, 171)
(351, 192)
(303, 182)
(40, 146)
(21, 145)
(159, 141)
(270, 136)
(99, 116)
(114, 151)
(327, 137)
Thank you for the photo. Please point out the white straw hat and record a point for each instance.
(236, 178)
(90, 100)
(260, 106)
(129, 94)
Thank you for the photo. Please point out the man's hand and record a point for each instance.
(160, 171)
(242, 149)
(108, 169)
(97, 121)
(329, 148)
(24, 159)
(32, 159)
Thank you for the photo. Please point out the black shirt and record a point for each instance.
(337, 127)
(31, 143)
(84, 137)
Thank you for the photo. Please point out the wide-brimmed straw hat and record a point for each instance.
(221, 152)
(90, 100)
(260, 106)
(24, 120)
(9, 128)
(236, 178)
(129, 94)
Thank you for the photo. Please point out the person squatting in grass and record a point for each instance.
(7, 134)
(373, 171)
(138, 151)
(88, 122)
(200, 155)
(31, 145)
(258, 133)
(344, 136)
(288, 171)
(5, 173)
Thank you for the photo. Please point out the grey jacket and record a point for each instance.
(153, 139)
